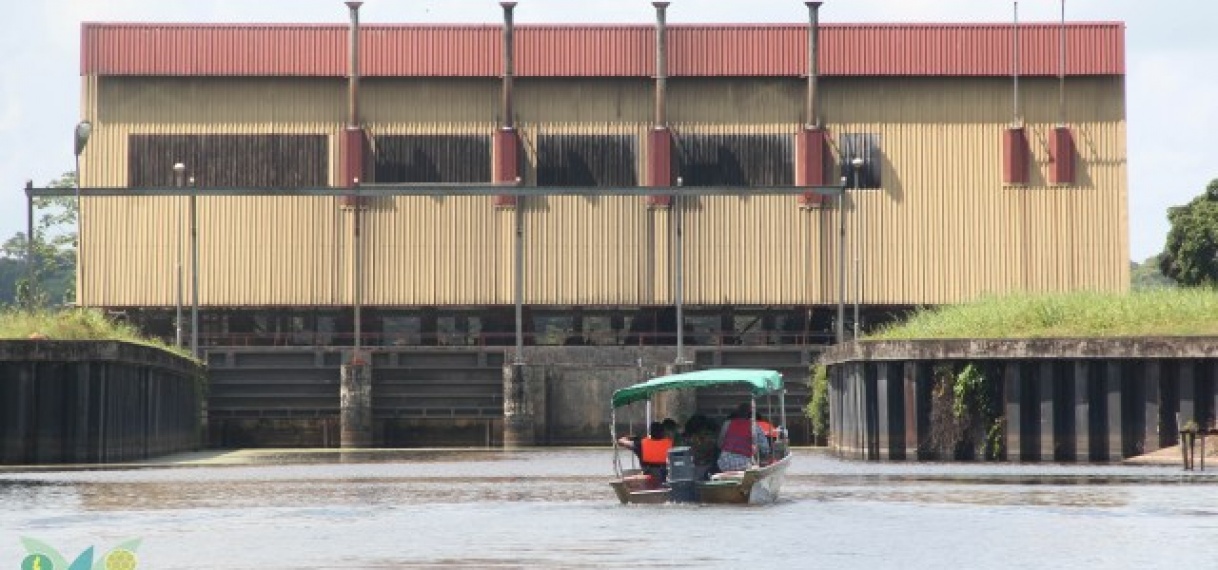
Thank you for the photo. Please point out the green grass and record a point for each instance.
(1158, 312)
(73, 324)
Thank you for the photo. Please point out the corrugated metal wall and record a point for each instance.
(715, 50)
(254, 251)
(942, 228)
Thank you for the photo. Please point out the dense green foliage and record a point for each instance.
(54, 272)
(72, 324)
(1146, 275)
(976, 405)
(1190, 256)
(1156, 312)
(818, 404)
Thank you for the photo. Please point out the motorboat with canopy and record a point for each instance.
(760, 482)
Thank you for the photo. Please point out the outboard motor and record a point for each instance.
(681, 475)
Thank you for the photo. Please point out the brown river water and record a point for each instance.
(553, 509)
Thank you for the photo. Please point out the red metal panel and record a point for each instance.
(506, 165)
(745, 50)
(737, 50)
(1061, 156)
(968, 50)
(810, 163)
(591, 51)
(659, 165)
(1015, 156)
(446, 51)
(352, 152)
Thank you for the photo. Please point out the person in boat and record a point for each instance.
(740, 439)
(766, 427)
(652, 452)
(777, 437)
(672, 431)
(701, 435)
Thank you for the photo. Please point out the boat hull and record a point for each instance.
(756, 486)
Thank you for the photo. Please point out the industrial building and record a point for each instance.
(975, 159)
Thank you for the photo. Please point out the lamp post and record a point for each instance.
(179, 178)
(857, 163)
(841, 264)
(194, 273)
(82, 132)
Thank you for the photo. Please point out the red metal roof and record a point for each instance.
(592, 51)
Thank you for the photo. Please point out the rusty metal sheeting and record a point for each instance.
(229, 160)
(587, 160)
(623, 50)
(432, 158)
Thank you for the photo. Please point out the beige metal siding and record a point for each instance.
(943, 228)
(252, 251)
(399, 103)
(584, 100)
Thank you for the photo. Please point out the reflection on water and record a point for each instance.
(553, 508)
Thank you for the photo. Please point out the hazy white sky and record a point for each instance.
(1171, 87)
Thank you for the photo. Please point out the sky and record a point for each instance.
(1170, 84)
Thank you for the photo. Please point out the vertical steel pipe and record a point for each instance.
(813, 102)
(661, 111)
(194, 273)
(353, 66)
(1061, 71)
(1017, 121)
(80, 260)
(678, 211)
(179, 173)
(353, 76)
(841, 264)
(358, 267)
(509, 63)
(30, 255)
(519, 285)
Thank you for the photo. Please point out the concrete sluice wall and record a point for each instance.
(1088, 400)
(461, 396)
(95, 402)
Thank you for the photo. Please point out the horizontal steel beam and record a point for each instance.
(441, 190)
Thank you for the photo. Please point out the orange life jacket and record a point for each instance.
(655, 451)
(766, 427)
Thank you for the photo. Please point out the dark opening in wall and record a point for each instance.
(432, 158)
(735, 160)
(867, 147)
(586, 160)
(280, 161)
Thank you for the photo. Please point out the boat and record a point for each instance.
(760, 483)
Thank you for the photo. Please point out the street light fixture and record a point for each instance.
(82, 132)
(179, 178)
(857, 163)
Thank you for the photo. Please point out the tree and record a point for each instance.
(1146, 275)
(54, 273)
(1190, 256)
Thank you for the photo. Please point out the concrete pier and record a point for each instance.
(355, 406)
(518, 418)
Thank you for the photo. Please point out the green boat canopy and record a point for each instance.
(757, 381)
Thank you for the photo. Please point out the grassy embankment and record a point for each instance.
(73, 324)
(1160, 312)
